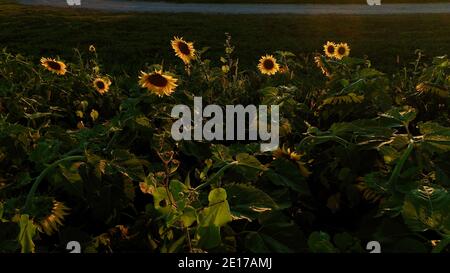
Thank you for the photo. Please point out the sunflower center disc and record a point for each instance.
(330, 49)
(268, 64)
(100, 85)
(157, 80)
(184, 48)
(54, 65)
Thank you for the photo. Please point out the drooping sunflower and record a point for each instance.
(54, 66)
(342, 50)
(52, 220)
(321, 65)
(102, 85)
(268, 65)
(329, 48)
(157, 82)
(293, 156)
(184, 50)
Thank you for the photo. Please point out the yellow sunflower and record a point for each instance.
(342, 50)
(102, 85)
(329, 48)
(158, 82)
(184, 50)
(293, 156)
(321, 65)
(54, 66)
(268, 65)
(51, 222)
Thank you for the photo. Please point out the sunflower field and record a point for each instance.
(87, 156)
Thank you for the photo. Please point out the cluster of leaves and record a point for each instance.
(364, 156)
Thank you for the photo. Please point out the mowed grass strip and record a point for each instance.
(126, 41)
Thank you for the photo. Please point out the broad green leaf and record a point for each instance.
(189, 216)
(26, 234)
(248, 202)
(214, 216)
(208, 236)
(404, 114)
(285, 173)
(435, 136)
(427, 208)
(277, 234)
(319, 242)
(218, 212)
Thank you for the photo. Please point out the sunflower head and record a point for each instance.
(294, 157)
(102, 85)
(54, 66)
(184, 50)
(329, 48)
(158, 83)
(342, 50)
(51, 220)
(319, 62)
(268, 65)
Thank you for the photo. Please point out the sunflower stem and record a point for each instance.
(42, 175)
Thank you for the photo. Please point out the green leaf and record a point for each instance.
(278, 234)
(189, 216)
(143, 121)
(208, 236)
(218, 212)
(427, 208)
(286, 173)
(248, 202)
(436, 137)
(214, 216)
(404, 114)
(319, 242)
(26, 234)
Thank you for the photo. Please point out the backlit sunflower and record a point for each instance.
(292, 156)
(52, 220)
(54, 66)
(342, 50)
(184, 50)
(329, 48)
(157, 82)
(102, 85)
(268, 65)
(321, 65)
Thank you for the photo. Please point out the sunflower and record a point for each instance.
(184, 50)
(321, 65)
(92, 48)
(54, 66)
(342, 50)
(158, 82)
(102, 85)
(293, 156)
(329, 48)
(268, 65)
(51, 222)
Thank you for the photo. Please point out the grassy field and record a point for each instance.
(298, 1)
(127, 41)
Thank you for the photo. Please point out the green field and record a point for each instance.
(130, 40)
(299, 1)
